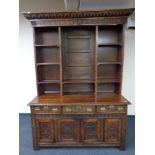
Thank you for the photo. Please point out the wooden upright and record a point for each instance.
(79, 64)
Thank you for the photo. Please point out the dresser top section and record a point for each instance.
(79, 99)
(80, 14)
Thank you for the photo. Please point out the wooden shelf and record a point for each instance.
(48, 81)
(47, 63)
(109, 80)
(79, 51)
(78, 37)
(52, 92)
(46, 45)
(110, 63)
(79, 65)
(78, 81)
(109, 44)
(79, 94)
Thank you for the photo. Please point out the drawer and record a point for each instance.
(79, 109)
(111, 109)
(46, 109)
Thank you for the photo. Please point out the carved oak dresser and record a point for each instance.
(79, 66)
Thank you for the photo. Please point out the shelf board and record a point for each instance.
(79, 51)
(110, 63)
(48, 81)
(46, 45)
(78, 37)
(79, 94)
(47, 63)
(79, 65)
(52, 92)
(109, 80)
(109, 44)
(78, 81)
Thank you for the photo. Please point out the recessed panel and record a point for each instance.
(47, 55)
(48, 72)
(46, 36)
(49, 88)
(107, 88)
(108, 71)
(106, 54)
(83, 87)
(78, 73)
(78, 43)
(79, 59)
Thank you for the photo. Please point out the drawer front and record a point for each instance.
(111, 109)
(46, 110)
(78, 109)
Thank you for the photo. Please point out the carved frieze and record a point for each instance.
(81, 14)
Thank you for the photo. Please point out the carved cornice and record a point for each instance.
(81, 14)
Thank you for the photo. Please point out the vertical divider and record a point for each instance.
(35, 59)
(60, 56)
(122, 56)
(96, 59)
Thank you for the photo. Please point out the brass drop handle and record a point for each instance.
(68, 109)
(89, 109)
(54, 109)
(103, 109)
(37, 109)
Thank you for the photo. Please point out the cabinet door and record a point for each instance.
(91, 130)
(45, 131)
(68, 130)
(112, 130)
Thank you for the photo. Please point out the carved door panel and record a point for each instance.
(91, 130)
(112, 130)
(68, 130)
(45, 130)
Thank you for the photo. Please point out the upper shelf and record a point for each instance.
(79, 81)
(110, 63)
(109, 44)
(46, 45)
(47, 63)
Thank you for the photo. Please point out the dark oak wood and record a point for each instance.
(79, 68)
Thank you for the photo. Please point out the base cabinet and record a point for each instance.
(57, 132)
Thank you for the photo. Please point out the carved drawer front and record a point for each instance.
(111, 108)
(46, 109)
(79, 109)
(68, 130)
(45, 130)
(112, 130)
(91, 130)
